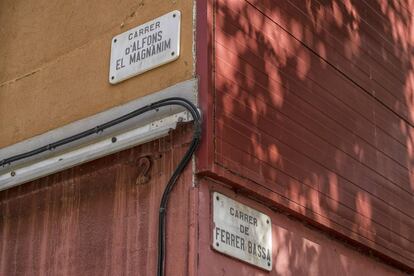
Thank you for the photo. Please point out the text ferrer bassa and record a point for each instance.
(242, 232)
(145, 47)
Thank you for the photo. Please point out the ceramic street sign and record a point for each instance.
(242, 232)
(145, 47)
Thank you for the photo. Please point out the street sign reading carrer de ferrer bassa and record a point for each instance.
(145, 47)
(242, 232)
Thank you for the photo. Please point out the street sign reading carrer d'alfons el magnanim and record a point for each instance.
(145, 47)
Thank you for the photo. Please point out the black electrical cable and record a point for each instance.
(169, 101)
(163, 205)
(170, 185)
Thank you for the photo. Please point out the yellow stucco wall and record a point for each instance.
(54, 60)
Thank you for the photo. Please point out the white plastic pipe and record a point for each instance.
(71, 158)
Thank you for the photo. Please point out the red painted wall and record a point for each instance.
(307, 110)
(95, 220)
(310, 109)
(297, 249)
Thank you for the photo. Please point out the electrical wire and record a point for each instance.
(173, 179)
(169, 101)
(170, 185)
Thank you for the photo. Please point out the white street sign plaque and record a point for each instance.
(242, 232)
(145, 47)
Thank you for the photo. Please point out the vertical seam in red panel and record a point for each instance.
(204, 40)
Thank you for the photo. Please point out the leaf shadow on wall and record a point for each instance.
(314, 101)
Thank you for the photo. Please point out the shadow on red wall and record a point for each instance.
(314, 101)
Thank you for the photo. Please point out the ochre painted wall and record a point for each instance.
(54, 60)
